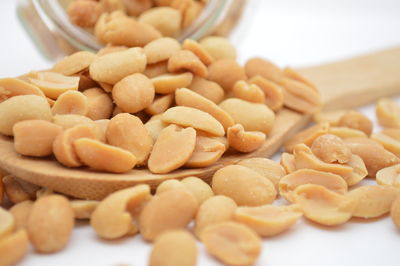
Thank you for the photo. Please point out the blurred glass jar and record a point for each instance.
(48, 24)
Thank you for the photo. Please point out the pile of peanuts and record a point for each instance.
(163, 107)
(134, 22)
(315, 176)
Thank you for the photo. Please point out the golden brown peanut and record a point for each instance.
(70, 120)
(264, 68)
(226, 72)
(244, 141)
(185, 60)
(250, 93)
(172, 149)
(103, 157)
(161, 49)
(373, 201)
(388, 113)
(154, 128)
(21, 212)
(133, 93)
(208, 89)
(10, 87)
(174, 248)
(218, 47)
(71, 102)
(395, 212)
(157, 69)
(135, 7)
(212, 211)
(265, 167)
(114, 217)
(293, 74)
(345, 132)
(128, 132)
(50, 223)
(13, 248)
(53, 84)
(160, 104)
(74, 63)
(332, 117)
(356, 120)
(83, 209)
(289, 183)
(191, 117)
(172, 209)
(390, 143)
(84, 13)
(169, 83)
(300, 97)
(111, 68)
(100, 105)
(372, 153)
(389, 176)
(268, 220)
(198, 50)
(206, 152)
(200, 189)
(273, 92)
(232, 243)
(359, 170)
(307, 136)
(13, 189)
(117, 30)
(252, 116)
(188, 98)
(63, 148)
(288, 162)
(324, 206)
(245, 186)
(170, 184)
(20, 108)
(35, 137)
(330, 148)
(166, 20)
(7, 223)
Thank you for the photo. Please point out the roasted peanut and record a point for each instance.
(306, 136)
(74, 63)
(218, 47)
(63, 148)
(198, 50)
(160, 104)
(245, 186)
(35, 137)
(264, 68)
(20, 108)
(71, 102)
(7, 223)
(53, 84)
(206, 152)
(356, 120)
(83, 209)
(200, 189)
(265, 167)
(21, 212)
(268, 220)
(166, 20)
(111, 68)
(273, 92)
(69, 121)
(209, 89)
(359, 170)
(172, 149)
(161, 49)
(170, 184)
(289, 183)
(252, 116)
(232, 243)
(390, 143)
(389, 176)
(169, 83)
(14, 190)
(373, 201)
(103, 157)
(154, 128)
(188, 98)
(157, 69)
(244, 141)
(330, 148)
(288, 162)
(172, 209)
(84, 13)
(293, 74)
(395, 212)
(100, 105)
(114, 216)
(10, 87)
(50, 223)
(250, 93)
(388, 113)
(13, 248)
(128, 132)
(185, 60)
(345, 132)
(324, 206)
(332, 117)
(226, 72)
(174, 248)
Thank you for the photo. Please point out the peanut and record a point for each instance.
(10, 87)
(74, 63)
(293, 74)
(14, 190)
(166, 20)
(264, 68)
(244, 141)
(218, 47)
(332, 117)
(307, 136)
(160, 104)
(288, 162)
(13, 248)
(330, 148)
(70, 120)
(100, 105)
(200, 189)
(389, 176)
(198, 50)
(390, 143)
(250, 93)
(388, 113)
(154, 127)
(21, 212)
(169, 83)
(170, 184)
(71, 102)
(226, 72)
(157, 69)
(53, 84)
(84, 13)
(135, 7)
(161, 49)
(208, 89)
(345, 132)
(273, 92)
(83, 209)
(185, 60)
(356, 120)
(206, 152)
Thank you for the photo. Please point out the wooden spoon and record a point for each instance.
(344, 84)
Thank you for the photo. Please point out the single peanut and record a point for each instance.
(160, 104)
(100, 105)
(10, 87)
(71, 102)
(206, 152)
(69, 121)
(154, 127)
(166, 20)
(244, 141)
(288, 162)
(248, 92)
(264, 68)
(13, 248)
(356, 120)
(389, 176)
(53, 84)
(200, 189)
(169, 83)
(21, 212)
(330, 148)
(83, 209)
(388, 113)
(218, 47)
(345, 132)
(226, 72)
(390, 143)
(13, 189)
(74, 63)
(208, 89)
(185, 60)
(198, 50)
(157, 69)
(272, 91)
(161, 49)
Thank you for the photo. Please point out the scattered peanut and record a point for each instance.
(218, 47)
(206, 152)
(388, 113)
(356, 120)
(100, 105)
(166, 20)
(161, 49)
(273, 92)
(389, 176)
(186, 60)
(218, 73)
(74, 63)
(53, 84)
(330, 148)
(209, 89)
(244, 141)
(200, 189)
(250, 93)
(13, 248)
(169, 83)
(10, 87)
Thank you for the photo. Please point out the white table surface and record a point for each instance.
(296, 33)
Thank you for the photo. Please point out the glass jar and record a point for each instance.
(48, 24)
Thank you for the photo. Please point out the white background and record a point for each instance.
(289, 32)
